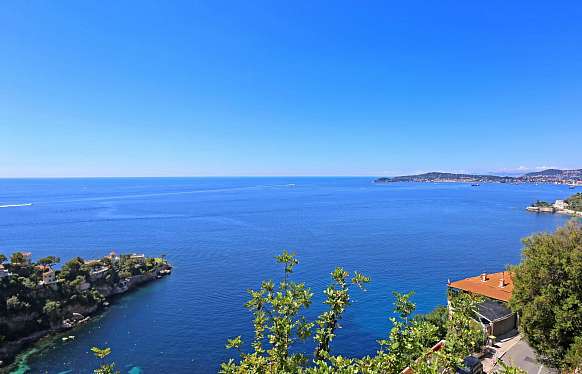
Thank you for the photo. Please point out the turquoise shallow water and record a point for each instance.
(221, 235)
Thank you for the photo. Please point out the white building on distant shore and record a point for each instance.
(138, 257)
(561, 204)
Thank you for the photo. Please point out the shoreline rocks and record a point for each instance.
(79, 313)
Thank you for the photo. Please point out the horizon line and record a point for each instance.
(379, 175)
(194, 176)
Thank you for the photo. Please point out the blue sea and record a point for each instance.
(221, 235)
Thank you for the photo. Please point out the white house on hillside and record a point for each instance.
(48, 277)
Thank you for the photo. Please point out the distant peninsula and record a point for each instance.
(39, 300)
(554, 176)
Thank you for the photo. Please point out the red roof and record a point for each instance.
(489, 287)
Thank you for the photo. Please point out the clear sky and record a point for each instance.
(140, 88)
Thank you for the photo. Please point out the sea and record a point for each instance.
(222, 234)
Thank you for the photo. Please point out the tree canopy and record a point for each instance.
(49, 261)
(279, 324)
(17, 258)
(548, 295)
(575, 202)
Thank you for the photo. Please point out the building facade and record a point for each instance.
(493, 313)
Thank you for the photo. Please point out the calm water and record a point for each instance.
(221, 235)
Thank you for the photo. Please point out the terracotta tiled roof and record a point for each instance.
(489, 287)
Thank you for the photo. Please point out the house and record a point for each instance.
(113, 257)
(139, 258)
(48, 277)
(561, 204)
(3, 272)
(98, 273)
(493, 313)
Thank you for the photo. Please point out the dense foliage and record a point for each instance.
(541, 204)
(575, 202)
(548, 295)
(438, 318)
(279, 324)
(31, 302)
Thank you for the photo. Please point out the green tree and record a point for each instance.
(509, 369)
(464, 334)
(72, 269)
(279, 323)
(2, 258)
(15, 304)
(574, 355)
(437, 317)
(542, 204)
(575, 202)
(49, 261)
(17, 258)
(337, 299)
(548, 293)
(277, 317)
(124, 274)
(408, 339)
(53, 310)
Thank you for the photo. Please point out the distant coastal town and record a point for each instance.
(41, 300)
(572, 178)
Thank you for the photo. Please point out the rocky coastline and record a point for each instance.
(571, 206)
(91, 292)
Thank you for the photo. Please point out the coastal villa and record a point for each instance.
(98, 273)
(560, 204)
(139, 258)
(562, 207)
(493, 313)
(48, 277)
(113, 257)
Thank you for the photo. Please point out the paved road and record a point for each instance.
(522, 356)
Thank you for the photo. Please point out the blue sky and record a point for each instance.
(140, 88)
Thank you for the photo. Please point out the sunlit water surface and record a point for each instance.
(221, 235)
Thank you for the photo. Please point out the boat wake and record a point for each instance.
(169, 193)
(15, 205)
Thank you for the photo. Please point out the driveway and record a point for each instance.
(522, 356)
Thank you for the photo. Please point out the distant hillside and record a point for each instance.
(545, 176)
(556, 173)
(446, 177)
